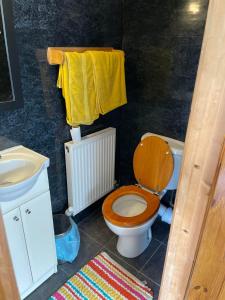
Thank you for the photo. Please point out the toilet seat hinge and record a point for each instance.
(156, 193)
(150, 191)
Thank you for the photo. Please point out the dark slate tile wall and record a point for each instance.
(162, 40)
(40, 124)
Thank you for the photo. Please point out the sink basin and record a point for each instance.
(19, 170)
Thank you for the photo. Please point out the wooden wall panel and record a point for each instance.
(208, 278)
(204, 141)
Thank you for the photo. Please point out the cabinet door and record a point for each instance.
(39, 234)
(18, 250)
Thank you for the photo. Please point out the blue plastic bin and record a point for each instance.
(67, 238)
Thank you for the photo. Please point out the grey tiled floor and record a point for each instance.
(96, 237)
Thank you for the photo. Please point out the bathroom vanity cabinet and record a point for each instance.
(30, 234)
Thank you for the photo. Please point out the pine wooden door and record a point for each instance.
(208, 277)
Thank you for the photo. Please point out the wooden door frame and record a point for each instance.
(204, 140)
(8, 287)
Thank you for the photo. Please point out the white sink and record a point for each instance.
(19, 170)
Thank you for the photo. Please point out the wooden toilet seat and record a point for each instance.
(151, 200)
(153, 167)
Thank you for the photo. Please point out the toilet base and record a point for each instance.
(131, 246)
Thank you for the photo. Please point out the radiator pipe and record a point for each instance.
(166, 213)
(75, 134)
(69, 212)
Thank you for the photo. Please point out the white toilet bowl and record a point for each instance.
(133, 241)
(130, 212)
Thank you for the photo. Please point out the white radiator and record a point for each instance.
(90, 168)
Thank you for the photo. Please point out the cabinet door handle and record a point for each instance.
(16, 219)
(27, 211)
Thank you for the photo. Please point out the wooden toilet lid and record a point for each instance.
(152, 202)
(153, 163)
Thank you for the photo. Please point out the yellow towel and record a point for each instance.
(77, 84)
(109, 79)
(92, 82)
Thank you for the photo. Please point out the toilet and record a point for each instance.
(131, 210)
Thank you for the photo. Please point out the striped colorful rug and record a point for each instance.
(103, 278)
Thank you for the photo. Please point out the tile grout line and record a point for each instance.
(161, 242)
(158, 284)
(87, 234)
(85, 220)
(122, 260)
(93, 239)
(62, 269)
(141, 269)
(58, 285)
(138, 270)
(157, 239)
